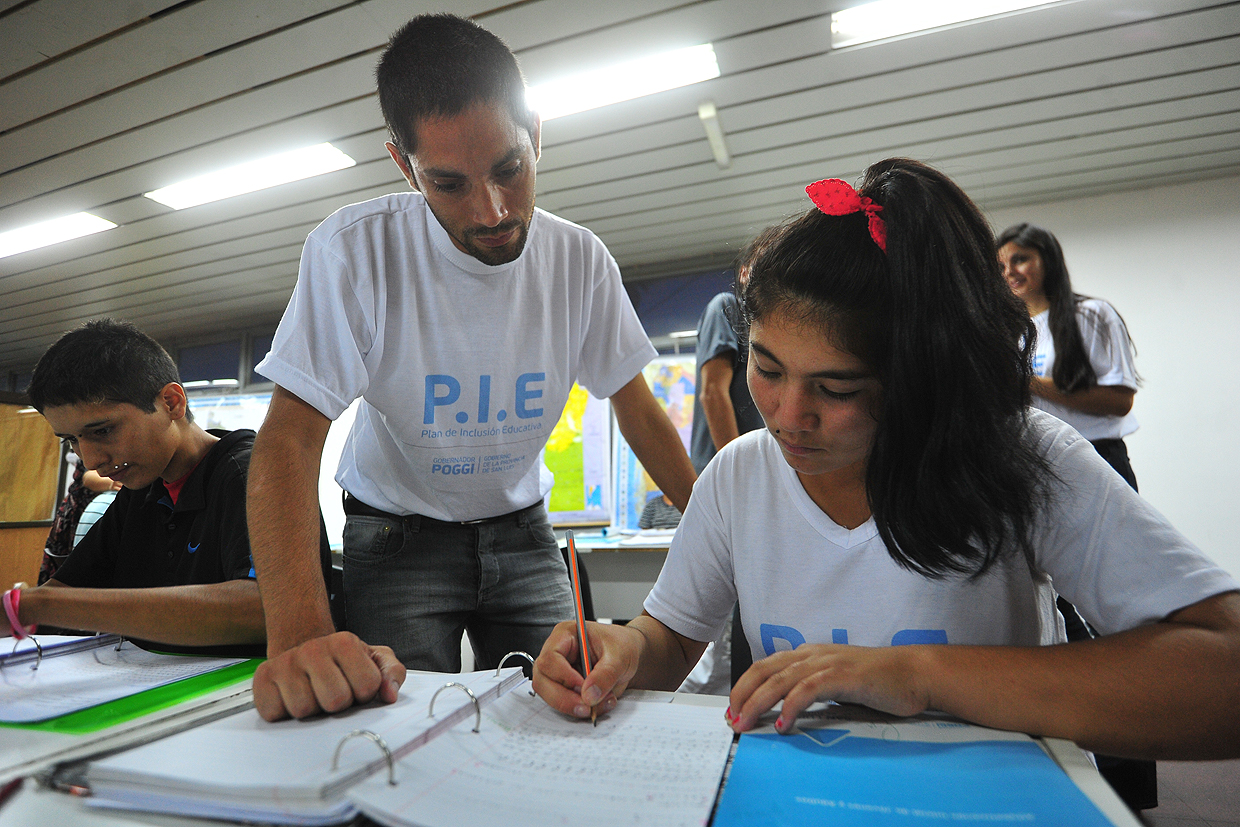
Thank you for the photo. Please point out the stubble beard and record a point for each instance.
(494, 256)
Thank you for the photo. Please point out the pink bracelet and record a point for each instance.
(12, 600)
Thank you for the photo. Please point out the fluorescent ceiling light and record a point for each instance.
(253, 175)
(623, 81)
(682, 334)
(709, 116)
(210, 383)
(890, 18)
(51, 232)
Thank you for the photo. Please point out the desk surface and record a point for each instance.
(35, 806)
(651, 540)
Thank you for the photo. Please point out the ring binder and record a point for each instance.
(519, 654)
(38, 648)
(505, 658)
(430, 709)
(387, 753)
(47, 647)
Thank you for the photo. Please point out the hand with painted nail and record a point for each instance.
(880, 678)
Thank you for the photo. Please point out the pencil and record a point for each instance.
(582, 639)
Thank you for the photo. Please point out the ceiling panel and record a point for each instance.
(102, 102)
(35, 34)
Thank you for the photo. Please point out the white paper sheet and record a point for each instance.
(67, 683)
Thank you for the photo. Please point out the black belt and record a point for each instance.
(354, 506)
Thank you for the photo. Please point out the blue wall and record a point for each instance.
(675, 303)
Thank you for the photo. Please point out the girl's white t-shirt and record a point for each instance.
(1110, 355)
(751, 533)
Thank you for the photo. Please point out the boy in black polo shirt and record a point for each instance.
(169, 561)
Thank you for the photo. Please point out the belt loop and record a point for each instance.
(413, 522)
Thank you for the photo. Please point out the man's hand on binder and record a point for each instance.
(326, 674)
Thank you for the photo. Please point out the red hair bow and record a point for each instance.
(835, 197)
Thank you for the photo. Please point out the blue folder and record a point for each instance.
(831, 776)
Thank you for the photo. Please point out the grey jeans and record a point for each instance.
(417, 584)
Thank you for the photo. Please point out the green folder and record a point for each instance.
(142, 703)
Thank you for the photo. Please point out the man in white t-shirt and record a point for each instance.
(461, 315)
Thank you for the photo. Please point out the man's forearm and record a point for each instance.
(282, 507)
(720, 420)
(716, 396)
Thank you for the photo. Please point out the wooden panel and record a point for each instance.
(30, 457)
(21, 554)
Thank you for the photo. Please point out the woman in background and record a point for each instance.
(1084, 375)
(1083, 361)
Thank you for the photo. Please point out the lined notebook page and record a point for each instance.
(645, 764)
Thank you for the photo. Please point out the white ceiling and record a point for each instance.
(101, 101)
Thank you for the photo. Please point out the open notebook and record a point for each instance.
(645, 763)
(243, 768)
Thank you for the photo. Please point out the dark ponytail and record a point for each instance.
(951, 480)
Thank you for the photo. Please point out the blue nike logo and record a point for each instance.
(192, 549)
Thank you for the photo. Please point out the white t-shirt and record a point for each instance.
(463, 367)
(1110, 355)
(752, 533)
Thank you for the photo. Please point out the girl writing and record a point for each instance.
(896, 535)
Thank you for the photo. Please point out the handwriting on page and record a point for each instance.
(645, 764)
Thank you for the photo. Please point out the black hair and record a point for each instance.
(1072, 370)
(438, 65)
(103, 361)
(951, 480)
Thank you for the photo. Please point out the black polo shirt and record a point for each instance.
(144, 541)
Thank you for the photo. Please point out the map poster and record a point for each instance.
(577, 453)
(672, 379)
